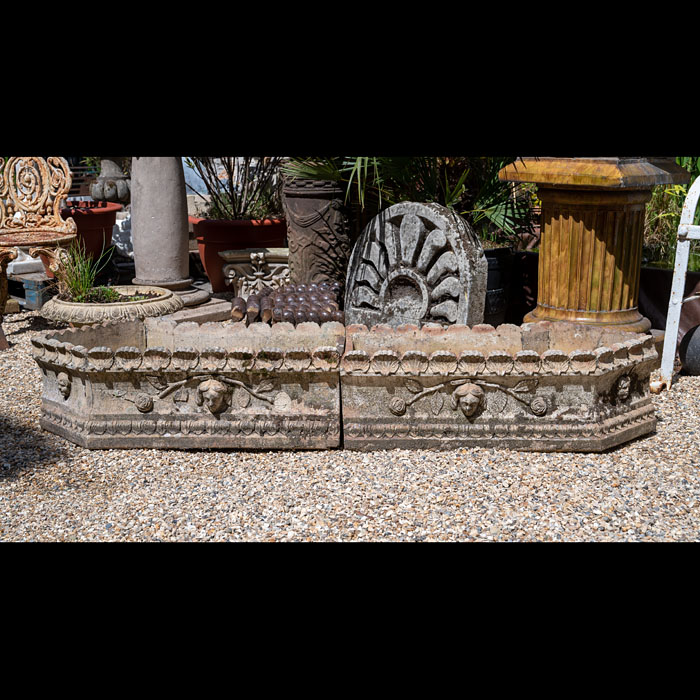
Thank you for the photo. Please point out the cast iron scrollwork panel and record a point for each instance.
(32, 191)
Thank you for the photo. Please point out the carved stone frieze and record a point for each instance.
(249, 271)
(155, 383)
(161, 384)
(489, 387)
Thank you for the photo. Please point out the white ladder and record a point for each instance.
(686, 233)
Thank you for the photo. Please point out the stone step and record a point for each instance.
(212, 310)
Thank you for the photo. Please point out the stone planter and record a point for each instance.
(215, 236)
(159, 384)
(542, 386)
(318, 231)
(80, 314)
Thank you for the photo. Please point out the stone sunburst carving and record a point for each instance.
(416, 263)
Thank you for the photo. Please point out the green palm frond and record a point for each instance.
(312, 168)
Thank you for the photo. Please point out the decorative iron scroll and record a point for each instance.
(32, 191)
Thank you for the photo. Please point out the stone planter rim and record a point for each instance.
(89, 312)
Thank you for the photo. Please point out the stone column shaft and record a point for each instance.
(159, 223)
(159, 229)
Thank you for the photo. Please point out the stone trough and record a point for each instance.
(417, 377)
(157, 384)
(540, 386)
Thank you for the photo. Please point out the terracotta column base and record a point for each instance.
(627, 320)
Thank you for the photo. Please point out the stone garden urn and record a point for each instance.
(591, 235)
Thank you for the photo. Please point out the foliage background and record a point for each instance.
(663, 213)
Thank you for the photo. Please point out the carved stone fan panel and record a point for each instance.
(416, 263)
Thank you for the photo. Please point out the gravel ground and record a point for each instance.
(52, 490)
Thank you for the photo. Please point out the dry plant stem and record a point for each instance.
(244, 185)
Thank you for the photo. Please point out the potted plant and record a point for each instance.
(79, 302)
(245, 209)
(94, 219)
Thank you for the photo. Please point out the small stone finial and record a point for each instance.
(112, 185)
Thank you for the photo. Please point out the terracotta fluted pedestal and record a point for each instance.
(591, 235)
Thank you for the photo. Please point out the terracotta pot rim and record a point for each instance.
(238, 222)
(107, 208)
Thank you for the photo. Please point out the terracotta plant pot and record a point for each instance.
(95, 221)
(215, 236)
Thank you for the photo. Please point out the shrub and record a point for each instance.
(662, 217)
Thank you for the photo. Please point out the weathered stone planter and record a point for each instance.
(80, 314)
(158, 384)
(542, 386)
